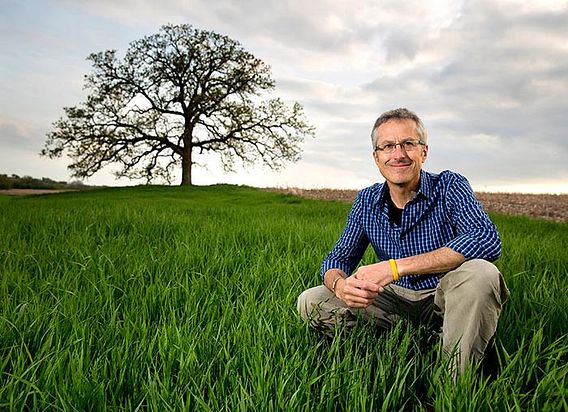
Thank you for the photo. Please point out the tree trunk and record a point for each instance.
(186, 164)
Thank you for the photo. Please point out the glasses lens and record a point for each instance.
(409, 145)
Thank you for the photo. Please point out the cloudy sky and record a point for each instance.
(489, 78)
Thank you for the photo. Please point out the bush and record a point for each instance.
(5, 182)
(28, 182)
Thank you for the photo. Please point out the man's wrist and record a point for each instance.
(394, 270)
(338, 277)
(332, 278)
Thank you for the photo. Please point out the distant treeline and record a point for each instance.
(28, 182)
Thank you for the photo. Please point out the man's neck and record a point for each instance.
(401, 195)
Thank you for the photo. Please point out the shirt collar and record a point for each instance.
(425, 188)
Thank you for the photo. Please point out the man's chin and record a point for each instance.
(400, 179)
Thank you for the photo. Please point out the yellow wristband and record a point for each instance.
(395, 275)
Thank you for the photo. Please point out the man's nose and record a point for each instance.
(399, 151)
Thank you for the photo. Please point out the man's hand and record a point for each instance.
(360, 289)
(357, 293)
(379, 274)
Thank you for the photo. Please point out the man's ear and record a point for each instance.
(376, 157)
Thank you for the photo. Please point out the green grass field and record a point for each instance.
(170, 298)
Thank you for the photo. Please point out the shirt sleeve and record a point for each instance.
(351, 245)
(477, 236)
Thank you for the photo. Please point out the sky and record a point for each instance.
(488, 78)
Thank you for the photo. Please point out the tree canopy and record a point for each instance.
(177, 93)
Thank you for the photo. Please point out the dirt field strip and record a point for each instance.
(546, 206)
(28, 192)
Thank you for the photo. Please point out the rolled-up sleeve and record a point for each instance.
(477, 236)
(351, 245)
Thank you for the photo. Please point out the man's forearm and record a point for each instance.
(437, 261)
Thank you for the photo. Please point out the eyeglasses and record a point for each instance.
(407, 145)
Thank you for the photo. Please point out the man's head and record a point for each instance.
(400, 149)
(399, 114)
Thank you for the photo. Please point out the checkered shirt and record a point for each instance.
(444, 212)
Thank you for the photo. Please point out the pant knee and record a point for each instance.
(473, 273)
(475, 280)
(302, 305)
(311, 300)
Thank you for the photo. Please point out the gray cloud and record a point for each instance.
(495, 72)
(16, 134)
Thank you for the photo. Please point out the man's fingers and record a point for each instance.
(358, 301)
(365, 285)
(358, 298)
(353, 290)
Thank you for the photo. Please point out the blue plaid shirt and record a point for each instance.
(444, 212)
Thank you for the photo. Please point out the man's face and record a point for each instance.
(401, 167)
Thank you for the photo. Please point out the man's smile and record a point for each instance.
(400, 165)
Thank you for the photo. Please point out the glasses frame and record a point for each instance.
(414, 143)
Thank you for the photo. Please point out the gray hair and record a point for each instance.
(399, 114)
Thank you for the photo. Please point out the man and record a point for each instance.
(434, 243)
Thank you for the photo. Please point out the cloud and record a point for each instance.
(495, 71)
(17, 134)
(489, 78)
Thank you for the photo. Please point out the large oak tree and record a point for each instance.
(177, 93)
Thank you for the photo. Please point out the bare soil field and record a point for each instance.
(23, 192)
(546, 206)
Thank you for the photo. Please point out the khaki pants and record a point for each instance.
(467, 302)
